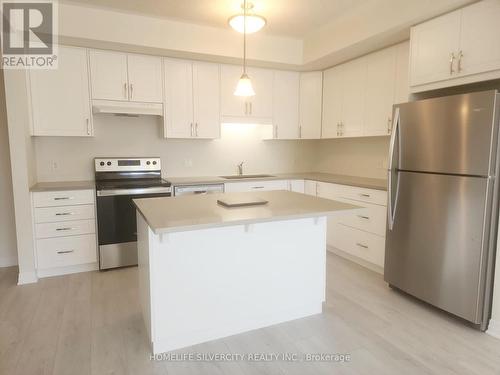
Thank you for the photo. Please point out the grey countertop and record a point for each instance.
(364, 182)
(192, 212)
(62, 185)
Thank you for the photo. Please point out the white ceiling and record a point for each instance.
(292, 18)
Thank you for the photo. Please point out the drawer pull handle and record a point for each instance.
(365, 195)
(362, 245)
(64, 213)
(257, 187)
(62, 198)
(364, 217)
(65, 251)
(67, 228)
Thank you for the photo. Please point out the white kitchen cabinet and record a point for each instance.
(310, 102)
(125, 77)
(109, 75)
(206, 100)
(311, 187)
(380, 91)
(286, 105)
(145, 78)
(256, 109)
(56, 111)
(266, 185)
(332, 102)
(191, 99)
(457, 48)
(402, 86)
(297, 186)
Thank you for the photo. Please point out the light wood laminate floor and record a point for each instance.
(91, 323)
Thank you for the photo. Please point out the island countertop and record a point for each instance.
(191, 212)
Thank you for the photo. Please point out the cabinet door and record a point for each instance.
(297, 186)
(231, 105)
(286, 105)
(332, 102)
(145, 78)
(311, 93)
(379, 93)
(54, 111)
(402, 87)
(354, 79)
(206, 99)
(108, 71)
(432, 44)
(479, 37)
(261, 105)
(178, 115)
(310, 187)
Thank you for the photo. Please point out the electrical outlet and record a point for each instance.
(188, 163)
(54, 165)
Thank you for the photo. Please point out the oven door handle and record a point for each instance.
(143, 191)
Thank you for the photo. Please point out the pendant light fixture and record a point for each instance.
(244, 87)
(252, 22)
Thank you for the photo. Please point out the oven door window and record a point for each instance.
(116, 218)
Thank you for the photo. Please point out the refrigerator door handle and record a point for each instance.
(391, 207)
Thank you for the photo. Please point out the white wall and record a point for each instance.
(8, 251)
(365, 157)
(125, 136)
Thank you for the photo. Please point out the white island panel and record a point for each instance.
(205, 284)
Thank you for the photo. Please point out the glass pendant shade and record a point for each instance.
(253, 23)
(244, 87)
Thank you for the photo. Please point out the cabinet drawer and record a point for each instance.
(364, 245)
(371, 218)
(365, 195)
(66, 251)
(66, 228)
(256, 186)
(63, 198)
(64, 213)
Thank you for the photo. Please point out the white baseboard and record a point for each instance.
(357, 260)
(8, 261)
(58, 271)
(494, 329)
(27, 278)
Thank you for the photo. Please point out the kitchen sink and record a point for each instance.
(238, 177)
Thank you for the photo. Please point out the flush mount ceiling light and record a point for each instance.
(253, 22)
(244, 87)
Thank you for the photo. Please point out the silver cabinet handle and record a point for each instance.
(192, 129)
(452, 60)
(276, 131)
(389, 125)
(125, 90)
(246, 108)
(64, 213)
(196, 129)
(362, 245)
(62, 198)
(251, 107)
(64, 229)
(131, 90)
(88, 126)
(459, 67)
(257, 187)
(364, 195)
(65, 251)
(364, 217)
(300, 131)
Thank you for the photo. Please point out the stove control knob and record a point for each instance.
(154, 163)
(102, 164)
(148, 162)
(108, 163)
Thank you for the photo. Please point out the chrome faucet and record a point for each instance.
(240, 168)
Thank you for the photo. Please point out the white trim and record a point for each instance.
(494, 329)
(57, 271)
(352, 258)
(27, 278)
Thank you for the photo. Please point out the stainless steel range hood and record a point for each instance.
(126, 108)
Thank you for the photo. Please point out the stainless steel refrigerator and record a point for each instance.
(443, 202)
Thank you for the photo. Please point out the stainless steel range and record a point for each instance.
(118, 181)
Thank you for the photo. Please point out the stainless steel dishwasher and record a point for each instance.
(198, 189)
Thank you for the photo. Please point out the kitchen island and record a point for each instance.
(207, 271)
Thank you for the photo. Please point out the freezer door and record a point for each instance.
(449, 135)
(435, 247)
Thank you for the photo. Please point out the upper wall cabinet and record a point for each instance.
(126, 77)
(286, 105)
(192, 99)
(310, 97)
(458, 48)
(256, 109)
(54, 111)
